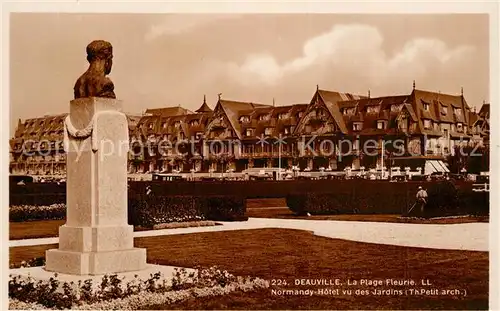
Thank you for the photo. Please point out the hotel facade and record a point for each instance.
(332, 131)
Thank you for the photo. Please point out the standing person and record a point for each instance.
(421, 199)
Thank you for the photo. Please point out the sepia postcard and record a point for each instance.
(244, 155)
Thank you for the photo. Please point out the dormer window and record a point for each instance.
(460, 127)
(268, 131)
(245, 119)
(427, 124)
(444, 110)
(164, 125)
(177, 124)
(263, 117)
(349, 111)
(396, 108)
(357, 126)
(372, 109)
(458, 111)
(150, 125)
(381, 125)
(427, 107)
(287, 130)
(194, 123)
(249, 132)
(283, 116)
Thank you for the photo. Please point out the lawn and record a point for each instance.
(292, 254)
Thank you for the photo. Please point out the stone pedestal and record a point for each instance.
(96, 238)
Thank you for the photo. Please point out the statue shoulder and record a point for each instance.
(108, 88)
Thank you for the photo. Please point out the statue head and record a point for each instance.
(103, 51)
(94, 82)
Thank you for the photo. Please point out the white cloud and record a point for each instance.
(352, 50)
(175, 24)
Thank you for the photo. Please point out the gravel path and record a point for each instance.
(468, 236)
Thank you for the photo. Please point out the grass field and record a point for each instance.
(292, 254)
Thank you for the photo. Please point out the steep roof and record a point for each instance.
(331, 100)
(168, 111)
(232, 108)
(204, 107)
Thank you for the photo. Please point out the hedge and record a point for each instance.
(49, 193)
(150, 210)
(445, 199)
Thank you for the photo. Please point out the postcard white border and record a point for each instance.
(372, 7)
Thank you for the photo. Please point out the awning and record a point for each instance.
(435, 166)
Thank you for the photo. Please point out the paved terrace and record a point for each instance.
(469, 236)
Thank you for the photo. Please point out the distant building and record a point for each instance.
(237, 135)
(37, 146)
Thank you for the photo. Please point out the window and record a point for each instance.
(300, 114)
(458, 111)
(194, 123)
(380, 125)
(164, 125)
(453, 127)
(263, 117)
(357, 126)
(396, 108)
(427, 107)
(198, 135)
(244, 119)
(372, 109)
(427, 124)
(283, 116)
(287, 130)
(444, 110)
(177, 124)
(249, 132)
(446, 134)
(150, 125)
(349, 111)
(268, 131)
(460, 127)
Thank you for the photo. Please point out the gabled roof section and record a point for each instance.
(438, 101)
(231, 110)
(331, 100)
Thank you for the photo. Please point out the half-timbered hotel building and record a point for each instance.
(238, 135)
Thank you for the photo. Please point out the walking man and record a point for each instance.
(421, 199)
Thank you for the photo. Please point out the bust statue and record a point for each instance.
(94, 82)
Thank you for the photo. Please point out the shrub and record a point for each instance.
(149, 210)
(223, 208)
(331, 203)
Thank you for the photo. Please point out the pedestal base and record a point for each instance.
(95, 263)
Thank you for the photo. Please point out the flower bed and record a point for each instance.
(30, 212)
(112, 293)
(148, 210)
(154, 209)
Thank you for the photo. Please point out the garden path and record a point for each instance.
(467, 236)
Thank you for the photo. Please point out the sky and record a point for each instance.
(163, 60)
